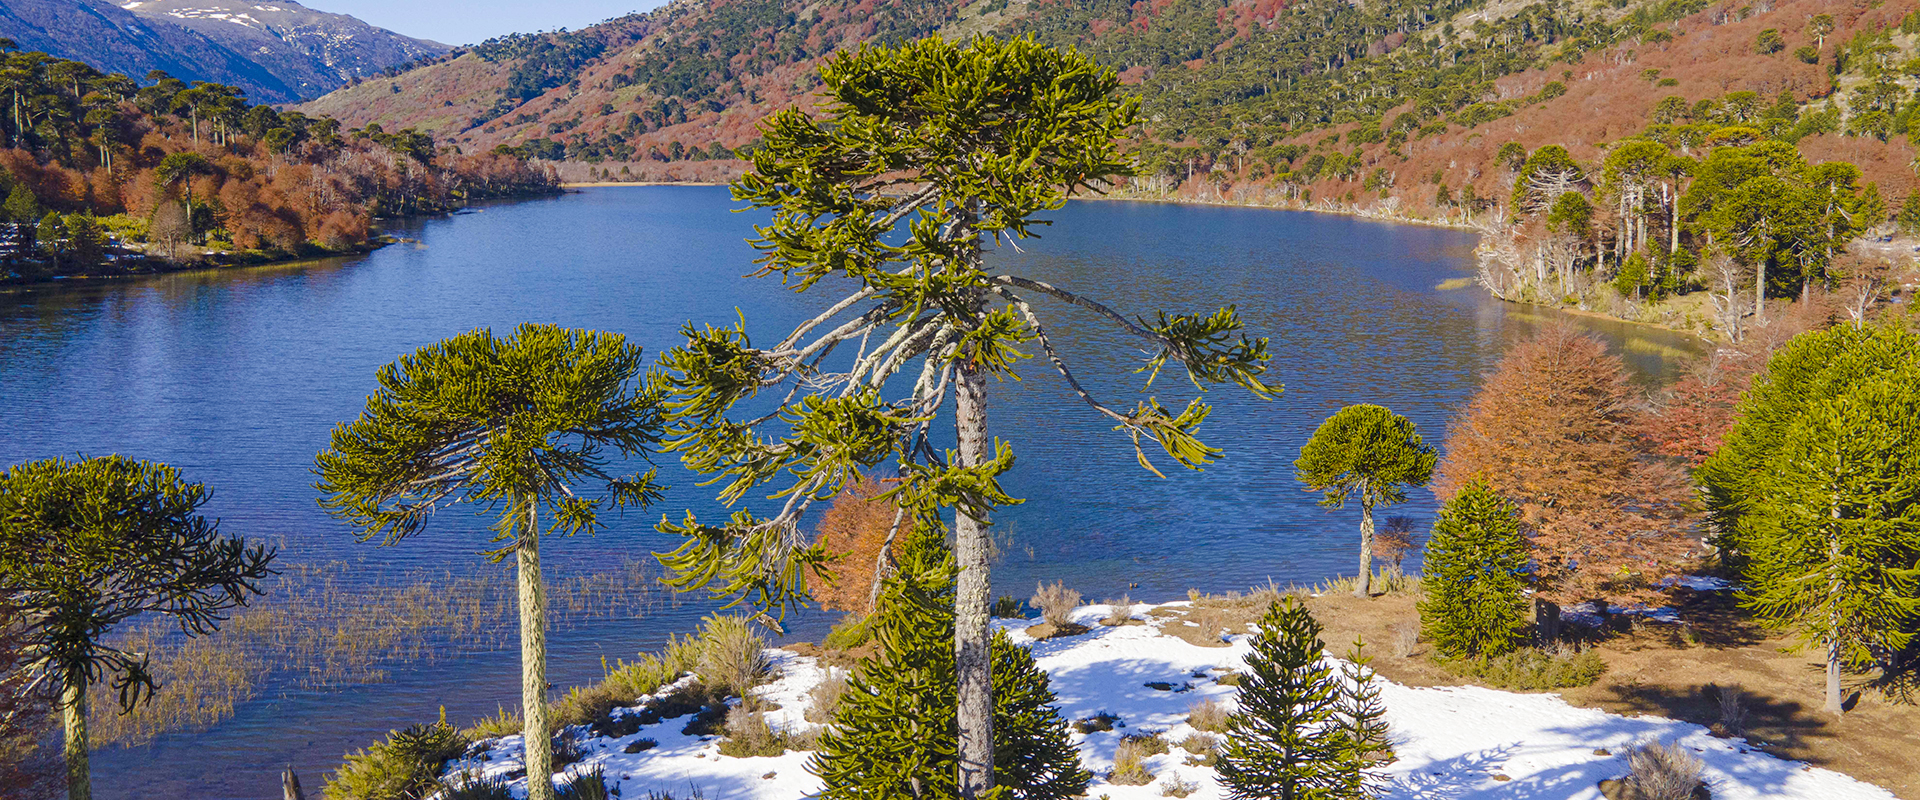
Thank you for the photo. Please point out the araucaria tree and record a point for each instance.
(1368, 450)
(1475, 576)
(926, 151)
(895, 731)
(511, 424)
(1554, 430)
(1301, 731)
(1818, 495)
(86, 545)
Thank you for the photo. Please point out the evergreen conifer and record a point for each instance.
(1909, 216)
(1291, 738)
(1475, 576)
(1363, 721)
(895, 732)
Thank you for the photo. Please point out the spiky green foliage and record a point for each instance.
(1834, 544)
(90, 543)
(1363, 718)
(1475, 576)
(515, 421)
(1813, 367)
(404, 767)
(513, 425)
(1290, 738)
(956, 142)
(1369, 451)
(894, 733)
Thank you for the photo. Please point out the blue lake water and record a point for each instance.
(237, 376)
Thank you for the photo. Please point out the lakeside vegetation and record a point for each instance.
(105, 175)
(1563, 485)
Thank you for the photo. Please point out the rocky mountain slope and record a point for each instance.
(115, 40)
(278, 51)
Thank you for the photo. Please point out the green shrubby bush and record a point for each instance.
(404, 767)
(1532, 668)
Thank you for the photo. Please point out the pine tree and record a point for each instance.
(1287, 740)
(895, 733)
(1834, 534)
(1363, 722)
(1909, 216)
(1475, 576)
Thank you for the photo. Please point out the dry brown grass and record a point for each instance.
(1055, 602)
(854, 528)
(318, 628)
(1655, 669)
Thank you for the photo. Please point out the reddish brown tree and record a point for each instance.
(1554, 430)
(855, 528)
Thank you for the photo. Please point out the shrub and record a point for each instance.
(1129, 760)
(1121, 614)
(1658, 771)
(404, 767)
(1204, 750)
(1769, 42)
(748, 735)
(1475, 576)
(502, 723)
(1056, 603)
(468, 786)
(1533, 669)
(1209, 715)
(1808, 54)
(1173, 786)
(1733, 710)
(733, 657)
(1102, 721)
(825, 695)
(1009, 607)
(589, 785)
(852, 632)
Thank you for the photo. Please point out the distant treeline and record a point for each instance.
(101, 174)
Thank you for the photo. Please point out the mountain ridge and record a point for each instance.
(277, 52)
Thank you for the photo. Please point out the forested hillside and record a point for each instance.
(101, 175)
(1391, 108)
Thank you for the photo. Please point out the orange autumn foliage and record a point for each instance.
(1554, 429)
(854, 528)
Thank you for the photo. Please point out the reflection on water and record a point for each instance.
(237, 376)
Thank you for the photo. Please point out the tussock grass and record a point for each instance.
(1657, 771)
(319, 627)
(1055, 602)
(1209, 715)
(733, 656)
(1121, 614)
(1389, 580)
(1130, 757)
(826, 696)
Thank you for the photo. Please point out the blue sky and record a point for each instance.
(472, 21)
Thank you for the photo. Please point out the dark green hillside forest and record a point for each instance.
(102, 174)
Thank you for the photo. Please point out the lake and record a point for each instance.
(236, 376)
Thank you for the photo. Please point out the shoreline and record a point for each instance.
(177, 268)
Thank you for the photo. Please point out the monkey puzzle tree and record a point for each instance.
(1369, 450)
(86, 545)
(511, 424)
(955, 141)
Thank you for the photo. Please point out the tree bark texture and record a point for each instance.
(533, 659)
(1833, 706)
(1363, 587)
(290, 785)
(972, 549)
(73, 713)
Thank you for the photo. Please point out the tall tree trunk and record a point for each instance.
(73, 712)
(1364, 586)
(533, 659)
(971, 549)
(1673, 226)
(1833, 705)
(1760, 289)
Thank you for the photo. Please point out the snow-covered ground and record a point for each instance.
(1454, 743)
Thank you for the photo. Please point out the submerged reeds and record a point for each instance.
(324, 626)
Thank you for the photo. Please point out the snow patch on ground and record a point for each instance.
(1453, 743)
